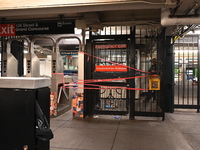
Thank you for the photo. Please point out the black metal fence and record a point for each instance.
(148, 43)
(111, 100)
(186, 72)
(141, 47)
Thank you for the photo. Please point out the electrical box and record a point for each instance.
(154, 82)
(17, 111)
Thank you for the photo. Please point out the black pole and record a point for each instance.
(198, 88)
(3, 45)
(132, 73)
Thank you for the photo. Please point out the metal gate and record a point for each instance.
(108, 54)
(111, 101)
(149, 45)
(186, 68)
(127, 47)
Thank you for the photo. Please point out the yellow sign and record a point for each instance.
(154, 82)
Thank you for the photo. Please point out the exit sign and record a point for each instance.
(34, 28)
(7, 29)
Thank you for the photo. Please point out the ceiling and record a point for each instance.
(124, 12)
(176, 15)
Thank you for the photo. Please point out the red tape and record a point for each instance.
(103, 80)
(104, 86)
(113, 88)
(85, 82)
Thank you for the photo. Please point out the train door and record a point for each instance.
(186, 68)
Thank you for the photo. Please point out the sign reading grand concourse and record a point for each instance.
(32, 28)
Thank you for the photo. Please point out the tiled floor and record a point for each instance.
(179, 131)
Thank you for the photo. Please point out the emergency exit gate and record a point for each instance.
(105, 58)
(186, 75)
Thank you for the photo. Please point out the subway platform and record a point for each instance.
(179, 131)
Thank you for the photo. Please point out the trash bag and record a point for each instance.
(43, 131)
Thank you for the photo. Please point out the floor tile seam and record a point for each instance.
(160, 132)
(191, 133)
(115, 129)
(193, 121)
(60, 119)
(180, 133)
(58, 126)
(182, 114)
(63, 148)
(85, 128)
(190, 143)
(116, 132)
(60, 148)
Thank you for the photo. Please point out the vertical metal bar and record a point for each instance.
(121, 52)
(146, 82)
(115, 55)
(3, 47)
(188, 68)
(98, 55)
(140, 63)
(179, 71)
(110, 55)
(183, 80)
(131, 63)
(197, 66)
(172, 78)
(106, 56)
(104, 61)
(198, 93)
(150, 51)
(193, 66)
(181, 75)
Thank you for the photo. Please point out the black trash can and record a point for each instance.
(18, 96)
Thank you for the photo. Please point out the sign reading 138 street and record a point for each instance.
(32, 28)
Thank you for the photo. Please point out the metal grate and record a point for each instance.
(115, 30)
(112, 100)
(186, 72)
(113, 55)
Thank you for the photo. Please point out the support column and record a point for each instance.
(169, 76)
(131, 74)
(81, 63)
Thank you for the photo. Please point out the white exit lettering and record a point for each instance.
(7, 29)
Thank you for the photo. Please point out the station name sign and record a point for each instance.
(32, 28)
